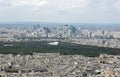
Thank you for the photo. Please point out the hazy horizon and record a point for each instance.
(33, 22)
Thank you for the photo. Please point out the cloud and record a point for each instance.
(69, 4)
(116, 5)
(19, 3)
(41, 3)
(61, 10)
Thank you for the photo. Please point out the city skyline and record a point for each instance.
(74, 11)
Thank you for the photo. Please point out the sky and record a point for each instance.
(80, 11)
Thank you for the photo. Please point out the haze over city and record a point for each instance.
(80, 11)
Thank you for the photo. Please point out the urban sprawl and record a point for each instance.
(108, 37)
(54, 64)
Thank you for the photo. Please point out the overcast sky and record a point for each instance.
(81, 11)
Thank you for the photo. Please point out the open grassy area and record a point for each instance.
(62, 48)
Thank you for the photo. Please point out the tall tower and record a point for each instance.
(65, 31)
(46, 31)
(72, 31)
(79, 32)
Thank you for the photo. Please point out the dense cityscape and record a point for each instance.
(105, 36)
(56, 64)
